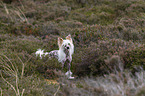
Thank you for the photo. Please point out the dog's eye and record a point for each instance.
(68, 43)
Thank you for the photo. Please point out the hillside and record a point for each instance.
(108, 35)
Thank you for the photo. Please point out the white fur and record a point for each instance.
(61, 54)
(41, 53)
(66, 49)
(69, 75)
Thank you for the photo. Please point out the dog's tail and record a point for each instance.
(41, 53)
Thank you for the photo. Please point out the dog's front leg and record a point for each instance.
(63, 64)
(69, 65)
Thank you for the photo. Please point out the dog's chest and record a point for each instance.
(67, 55)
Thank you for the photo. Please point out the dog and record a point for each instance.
(64, 54)
(41, 53)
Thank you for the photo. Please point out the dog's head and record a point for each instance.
(65, 44)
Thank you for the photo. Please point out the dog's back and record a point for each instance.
(53, 54)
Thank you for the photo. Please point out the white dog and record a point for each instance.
(64, 54)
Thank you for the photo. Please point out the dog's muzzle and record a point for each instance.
(67, 47)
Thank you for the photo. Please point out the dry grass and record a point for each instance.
(11, 70)
(13, 12)
(109, 39)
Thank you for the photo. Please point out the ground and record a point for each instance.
(108, 36)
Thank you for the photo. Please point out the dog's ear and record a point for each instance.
(60, 41)
(69, 38)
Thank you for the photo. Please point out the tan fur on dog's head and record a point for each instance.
(69, 38)
(60, 41)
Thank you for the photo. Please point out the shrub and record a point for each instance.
(115, 63)
(92, 60)
(107, 35)
(133, 58)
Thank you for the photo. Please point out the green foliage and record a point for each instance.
(108, 35)
(134, 58)
(93, 61)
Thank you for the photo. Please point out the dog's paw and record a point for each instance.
(68, 73)
(71, 77)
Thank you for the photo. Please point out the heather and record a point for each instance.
(108, 36)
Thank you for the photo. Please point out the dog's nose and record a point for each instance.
(67, 47)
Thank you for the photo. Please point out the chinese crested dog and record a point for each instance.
(64, 54)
